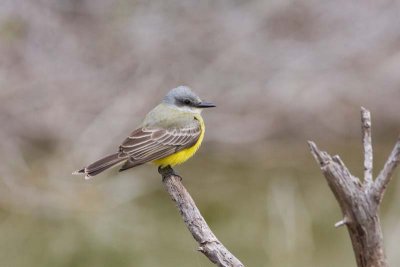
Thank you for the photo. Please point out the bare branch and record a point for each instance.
(367, 142)
(335, 171)
(356, 200)
(342, 222)
(210, 246)
(386, 173)
(320, 156)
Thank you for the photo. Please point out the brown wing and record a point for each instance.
(148, 144)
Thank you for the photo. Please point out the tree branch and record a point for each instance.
(359, 201)
(386, 173)
(210, 246)
(367, 142)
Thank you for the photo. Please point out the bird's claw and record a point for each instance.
(167, 171)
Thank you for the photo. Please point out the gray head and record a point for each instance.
(184, 98)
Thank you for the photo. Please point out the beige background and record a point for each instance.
(77, 76)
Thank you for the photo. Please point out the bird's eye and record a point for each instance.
(187, 102)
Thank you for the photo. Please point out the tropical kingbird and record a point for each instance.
(169, 135)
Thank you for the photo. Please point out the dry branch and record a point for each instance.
(359, 201)
(367, 142)
(210, 246)
(385, 175)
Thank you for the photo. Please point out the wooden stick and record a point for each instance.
(386, 173)
(367, 142)
(210, 246)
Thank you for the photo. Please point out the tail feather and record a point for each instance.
(100, 166)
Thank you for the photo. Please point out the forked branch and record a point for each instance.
(360, 200)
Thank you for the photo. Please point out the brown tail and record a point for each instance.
(100, 165)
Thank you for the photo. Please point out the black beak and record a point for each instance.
(205, 105)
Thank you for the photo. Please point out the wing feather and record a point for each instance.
(148, 144)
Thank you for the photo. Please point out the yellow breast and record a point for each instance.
(185, 154)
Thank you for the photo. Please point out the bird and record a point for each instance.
(169, 135)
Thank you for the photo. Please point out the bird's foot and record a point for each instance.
(167, 171)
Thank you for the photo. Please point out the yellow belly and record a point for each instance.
(183, 155)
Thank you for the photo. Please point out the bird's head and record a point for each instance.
(183, 98)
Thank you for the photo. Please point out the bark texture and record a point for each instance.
(210, 246)
(360, 200)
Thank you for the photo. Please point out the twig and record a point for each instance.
(210, 246)
(359, 201)
(367, 142)
(386, 173)
(341, 222)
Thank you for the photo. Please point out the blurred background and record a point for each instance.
(76, 76)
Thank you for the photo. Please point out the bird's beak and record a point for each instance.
(205, 105)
